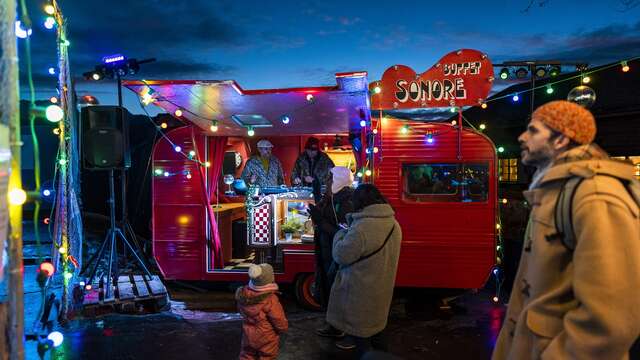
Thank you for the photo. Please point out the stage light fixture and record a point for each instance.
(541, 72)
(555, 71)
(522, 73)
(504, 73)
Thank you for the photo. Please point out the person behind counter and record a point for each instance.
(312, 164)
(263, 169)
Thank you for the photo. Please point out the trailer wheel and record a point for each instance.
(304, 291)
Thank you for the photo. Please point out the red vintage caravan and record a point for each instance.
(440, 179)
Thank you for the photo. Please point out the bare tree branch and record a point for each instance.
(541, 3)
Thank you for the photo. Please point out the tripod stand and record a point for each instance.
(113, 233)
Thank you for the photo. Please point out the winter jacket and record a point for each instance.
(361, 293)
(318, 169)
(264, 321)
(326, 216)
(585, 303)
(264, 177)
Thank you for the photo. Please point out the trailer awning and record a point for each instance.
(270, 112)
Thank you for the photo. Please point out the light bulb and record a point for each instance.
(49, 9)
(377, 89)
(17, 197)
(164, 125)
(178, 113)
(54, 113)
(484, 105)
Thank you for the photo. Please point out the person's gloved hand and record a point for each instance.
(316, 215)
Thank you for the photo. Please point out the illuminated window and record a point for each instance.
(508, 170)
(442, 182)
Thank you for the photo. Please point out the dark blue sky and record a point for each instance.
(270, 44)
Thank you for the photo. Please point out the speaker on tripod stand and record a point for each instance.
(105, 147)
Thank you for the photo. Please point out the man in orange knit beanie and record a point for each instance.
(575, 295)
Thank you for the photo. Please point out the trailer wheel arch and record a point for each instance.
(303, 289)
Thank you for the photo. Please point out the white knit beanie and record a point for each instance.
(342, 177)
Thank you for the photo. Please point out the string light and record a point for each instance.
(375, 131)
(504, 201)
(250, 131)
(498, 226)
(495, 299)
(188, 175)
(62, 250)
(49, 9)
(363, 123)
(375, 149)
(158, 171)
(192, 153)
(146, 101)
(17, 197)
(53, 100)
(164, 125)
(377, 89)
(20, 32)
(46, 221)
(177, 148)
(500, 149)
(483, 105)
(47, 268)
(453, 123)
(66, 42)
(586, 79)
(453, 109)
(625, 67)
(367, 172)
(515, 98)
(54, 113)
(359, 174)
(207, 164)
(549, 89)
(62, 161)
(404, 129)
(310, 97)
(56, 131)
(285, 119)
(429, 138)
(482, 126)
(46, 192)
(214, 126)
(52, 71)
(166, 174)
(178, 113)
(49, 23)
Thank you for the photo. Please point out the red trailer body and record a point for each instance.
(448, 238)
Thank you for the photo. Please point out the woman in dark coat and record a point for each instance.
(327, 216)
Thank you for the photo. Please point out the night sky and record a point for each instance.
(271, 44)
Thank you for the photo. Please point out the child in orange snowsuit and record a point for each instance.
(264, 318)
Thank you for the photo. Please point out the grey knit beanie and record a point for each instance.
(261, 275)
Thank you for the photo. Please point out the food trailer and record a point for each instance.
(439, 177)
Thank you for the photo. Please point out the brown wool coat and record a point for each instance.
(585, 304)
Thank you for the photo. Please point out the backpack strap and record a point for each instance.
(563, 212)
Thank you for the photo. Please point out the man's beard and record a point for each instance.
(538, 158)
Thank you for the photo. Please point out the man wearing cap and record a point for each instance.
(574, 298)
(263, 169)
(312, 165)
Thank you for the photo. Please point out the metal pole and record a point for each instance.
(532, 69)
(10, 115)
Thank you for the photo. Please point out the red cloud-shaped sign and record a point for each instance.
(460, 78)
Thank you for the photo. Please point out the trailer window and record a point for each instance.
(442, 182)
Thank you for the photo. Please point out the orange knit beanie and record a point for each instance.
(570, 119)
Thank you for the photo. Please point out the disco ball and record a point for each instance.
(582, 95)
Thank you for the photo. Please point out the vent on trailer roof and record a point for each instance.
(256, 121)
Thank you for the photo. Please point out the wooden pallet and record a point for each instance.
(126, 294)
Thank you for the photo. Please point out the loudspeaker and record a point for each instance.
(105, 137)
